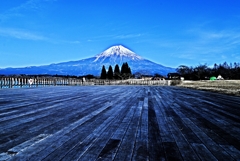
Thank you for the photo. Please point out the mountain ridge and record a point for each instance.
(114, 55)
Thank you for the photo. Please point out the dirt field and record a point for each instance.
(231, 87)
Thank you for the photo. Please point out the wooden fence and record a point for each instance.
(16, 82)
(131, 82)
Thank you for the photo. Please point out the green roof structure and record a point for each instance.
(213, 78)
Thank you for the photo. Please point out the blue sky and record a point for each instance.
(168, 32)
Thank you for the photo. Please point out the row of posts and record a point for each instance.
(12, 82)
(132, 82)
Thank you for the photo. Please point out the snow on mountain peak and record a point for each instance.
(119, 51)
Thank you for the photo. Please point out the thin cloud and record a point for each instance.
(213, 41)
(29, 5)
(113, 37)
(128, 36)
(27, 35)
(69, 42)
(100, 38)
(20, 34)
(203, 45)
(18, 11)
(222, 36)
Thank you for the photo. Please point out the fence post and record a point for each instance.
(20, 81)
(9, 82)
(36, 82)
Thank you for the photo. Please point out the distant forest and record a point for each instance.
(201, 72)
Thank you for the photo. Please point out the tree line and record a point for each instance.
(201, 72)
(124, 73)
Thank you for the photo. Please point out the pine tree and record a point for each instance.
(126, 71)
(129, 71)
(110, 73)
(124, 68)
(116, 72)
(103, 73)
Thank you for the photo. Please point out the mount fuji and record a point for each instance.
(93, 65)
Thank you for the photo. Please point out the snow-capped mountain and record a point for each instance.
(112, 56)
(117, 52)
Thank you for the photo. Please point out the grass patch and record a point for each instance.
(231, 87)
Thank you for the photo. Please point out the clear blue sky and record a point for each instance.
(168, 32)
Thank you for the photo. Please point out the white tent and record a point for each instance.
(220, 77)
